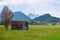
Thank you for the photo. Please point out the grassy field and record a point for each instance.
(35, 32)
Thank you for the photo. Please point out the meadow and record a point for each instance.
(35, 32)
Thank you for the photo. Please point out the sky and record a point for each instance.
(37, 7)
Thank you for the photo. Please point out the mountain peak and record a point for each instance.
(20, 16)
(46, 18)
(46, 15)
(19, 12)
(32, 16)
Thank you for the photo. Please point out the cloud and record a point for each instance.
(35, 6)
(17, 2)
(30, 1)
(10, 2)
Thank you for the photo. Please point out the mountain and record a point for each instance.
(32, 16)
(46, 18)
(19, 16)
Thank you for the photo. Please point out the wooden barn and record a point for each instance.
(19, 25)
(19, 21)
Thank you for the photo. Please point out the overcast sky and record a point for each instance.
(39, 7)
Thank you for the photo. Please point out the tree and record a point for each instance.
(6, 15)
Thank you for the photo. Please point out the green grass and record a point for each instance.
(35, 32)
